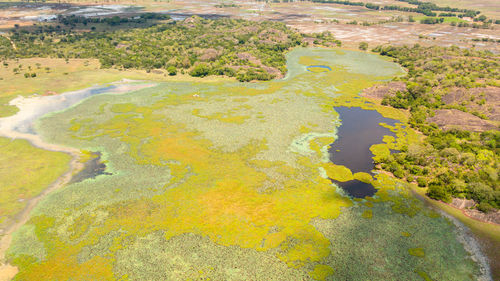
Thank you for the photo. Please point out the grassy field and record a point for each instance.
(446, 19)
(24, 172)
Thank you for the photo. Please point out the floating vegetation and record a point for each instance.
(228, 181)
(417, 252)
(424, 275)
(368, 214)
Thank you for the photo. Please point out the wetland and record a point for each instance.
(241, 172)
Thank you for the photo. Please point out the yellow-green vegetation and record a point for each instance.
(488, 233)
(424, 275)
(491, 231)
(228, 117)
(321, 272)
(364, 177)
(186, 177)
(338, 172)
(24, 172)
(417, 252)
(367, 214)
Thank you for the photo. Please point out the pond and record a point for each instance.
(360, 129)
(93, 168)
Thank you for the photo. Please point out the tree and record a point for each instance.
(363, 46)
(200, 70)
(438, 192)
(421, 182)
(172, 70)
(484, 207)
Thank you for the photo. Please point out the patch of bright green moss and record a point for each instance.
(417, 252)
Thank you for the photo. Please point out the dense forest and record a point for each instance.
(200, 47)
(454, 162)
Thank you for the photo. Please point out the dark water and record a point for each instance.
(360, 129)
(93, 168)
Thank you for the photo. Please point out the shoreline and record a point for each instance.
(477, 240)
(422, 194)
(481, 233)
(467, 215)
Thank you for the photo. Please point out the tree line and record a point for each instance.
(197, 46)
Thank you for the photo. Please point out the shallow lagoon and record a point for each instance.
(231, 181)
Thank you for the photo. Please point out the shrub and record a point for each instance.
(438, 192)
(399, 173)
(172, 70)
(422, 182)
(363, 46)
(484, 207)
(200, 70)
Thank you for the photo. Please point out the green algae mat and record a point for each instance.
(231, 181)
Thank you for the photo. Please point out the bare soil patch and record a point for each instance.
(448, 119)
(467, 205)
(7, 272)
(483, 100)
(380, 91)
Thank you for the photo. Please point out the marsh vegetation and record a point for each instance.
(210, 177)
(195, 165)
